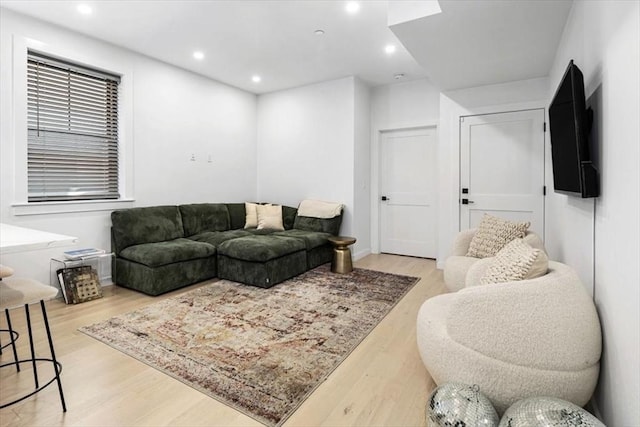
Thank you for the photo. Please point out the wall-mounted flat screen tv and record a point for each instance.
(570, 122)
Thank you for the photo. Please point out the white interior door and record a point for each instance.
(408, 192)
(502, 168)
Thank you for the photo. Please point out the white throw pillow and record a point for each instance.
(493, 234)
(319, 209)
(270, 217)
(516, 261)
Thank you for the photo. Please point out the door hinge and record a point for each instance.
(544, 127)
(544, 190)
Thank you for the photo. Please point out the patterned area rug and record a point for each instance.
(261, 351)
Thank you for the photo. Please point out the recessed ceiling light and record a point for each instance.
(398, 76)
(390, 49)
(352, 7)
(198, 55)
(84, 9)
(319, 32)
(256, 79)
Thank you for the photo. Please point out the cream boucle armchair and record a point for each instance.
(458, 263)
(537, 337)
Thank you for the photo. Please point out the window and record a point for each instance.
(72, 143)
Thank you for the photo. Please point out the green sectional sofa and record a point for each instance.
(161, 248)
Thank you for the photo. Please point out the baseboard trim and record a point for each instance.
(361, 254)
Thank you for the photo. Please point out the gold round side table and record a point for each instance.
(341, 254)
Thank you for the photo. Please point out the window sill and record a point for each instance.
(47, 208)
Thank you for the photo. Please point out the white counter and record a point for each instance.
(19, 239)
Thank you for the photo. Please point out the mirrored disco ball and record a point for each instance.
(460, 405)
(547, 412)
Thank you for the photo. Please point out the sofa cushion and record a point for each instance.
(259, 232)
(163, 253)
(145, 225)
(516, 261)
(288, 217)
(216, 238)
(197, 218)
(270, 217)
(311, 239)
(260, 248)
(331, 226)
(237, 215)
(493, 234)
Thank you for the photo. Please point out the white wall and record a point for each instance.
(603, 38)
(397, 106)
(362, 169)
(306, 146)
(169, 114)
(192, 115)
(404, 105)
(525, 94)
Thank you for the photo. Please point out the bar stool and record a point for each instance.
(15, 292)
(13, 335)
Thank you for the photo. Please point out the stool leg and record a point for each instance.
(13, 341)
(53, 355)
(33, 353)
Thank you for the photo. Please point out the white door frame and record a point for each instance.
(375, 177)
(460, 157)
(449, 163)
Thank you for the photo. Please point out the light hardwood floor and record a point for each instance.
(383, 381)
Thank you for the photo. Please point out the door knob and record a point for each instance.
(385, 198)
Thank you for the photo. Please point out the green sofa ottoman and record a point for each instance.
(262, 261)
(319, 250)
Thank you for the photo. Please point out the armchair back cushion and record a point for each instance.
(145, 225)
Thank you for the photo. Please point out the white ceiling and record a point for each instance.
(479, 42)
(469, 43)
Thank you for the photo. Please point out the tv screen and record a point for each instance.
(573, 172)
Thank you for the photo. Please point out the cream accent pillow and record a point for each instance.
(251, 219)
(516, 261)
(270, 216)
(493, 234)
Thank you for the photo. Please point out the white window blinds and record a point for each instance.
(72, 131)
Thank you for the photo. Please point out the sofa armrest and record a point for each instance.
(549, 322)
(461, 242)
